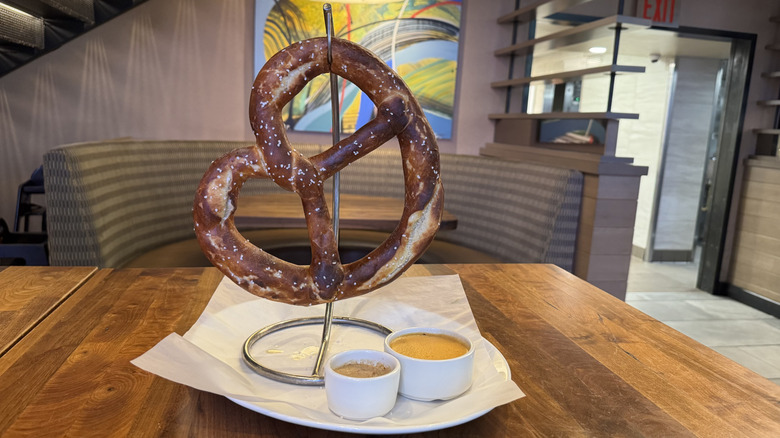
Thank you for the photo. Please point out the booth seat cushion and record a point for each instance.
(113, 203)
(293, 245)
(515, 212)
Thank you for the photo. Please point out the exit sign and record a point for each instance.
(664, 12)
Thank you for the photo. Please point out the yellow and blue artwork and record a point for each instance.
(418, 38)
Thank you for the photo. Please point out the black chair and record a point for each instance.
(29, 249)
(24, 205)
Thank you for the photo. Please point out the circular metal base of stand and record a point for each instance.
(281, 376)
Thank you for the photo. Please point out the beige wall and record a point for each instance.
(181, 69)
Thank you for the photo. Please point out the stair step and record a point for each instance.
(604, 27)
(561, 115)
(21, 28)
(82, 11)
(60, 22)
(568, 75)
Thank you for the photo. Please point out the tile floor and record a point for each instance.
(667, 292)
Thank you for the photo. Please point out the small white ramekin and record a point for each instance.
(427, 380)
(361, 398)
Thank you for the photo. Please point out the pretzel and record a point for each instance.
(326, 279)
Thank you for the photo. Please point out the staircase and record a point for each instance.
(31, 28)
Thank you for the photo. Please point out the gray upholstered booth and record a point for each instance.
(128, 203)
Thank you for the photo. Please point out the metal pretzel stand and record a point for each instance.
(316, 378)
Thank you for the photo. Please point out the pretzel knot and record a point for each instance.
(326, 279)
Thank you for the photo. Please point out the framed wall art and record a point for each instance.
(418, 38)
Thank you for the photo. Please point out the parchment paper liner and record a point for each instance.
(208, 356)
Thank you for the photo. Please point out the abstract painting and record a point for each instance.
(418, 38)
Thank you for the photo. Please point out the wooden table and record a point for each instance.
(29, 294)
(358, 212)
(589, 364)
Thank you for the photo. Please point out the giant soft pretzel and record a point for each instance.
(326, 279)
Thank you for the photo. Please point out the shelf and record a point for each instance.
(560, 115)
(542, 8)
(584, 162)
(771, 75)
(766, 161)
(602, 28)
(775, 19)
(557, 77)
(775, 47)
(771, 131)
(773, 102)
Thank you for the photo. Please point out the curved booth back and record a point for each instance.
(110, 202)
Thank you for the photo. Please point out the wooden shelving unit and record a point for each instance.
(588, 163)
(611, 184)
(611, 26)
(754, 254)
(768, 139)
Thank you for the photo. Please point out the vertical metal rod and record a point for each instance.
(615, 49)
(336, 129)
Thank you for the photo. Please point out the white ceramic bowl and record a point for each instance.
(425, 379)
(361, 398)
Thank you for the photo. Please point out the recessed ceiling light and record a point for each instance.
(598, 50)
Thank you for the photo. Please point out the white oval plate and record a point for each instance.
(498, 361)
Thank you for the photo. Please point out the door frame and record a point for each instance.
(737, 85)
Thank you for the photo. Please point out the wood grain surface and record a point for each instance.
(756, 257)
(589, 364)
(358, 212)
(28, 294)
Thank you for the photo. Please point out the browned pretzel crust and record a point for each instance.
(326, 279)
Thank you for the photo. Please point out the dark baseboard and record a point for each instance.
(672, 255)
(663, 255)
(753, 300)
